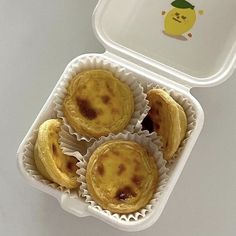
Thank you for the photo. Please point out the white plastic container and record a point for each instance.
(132, 34)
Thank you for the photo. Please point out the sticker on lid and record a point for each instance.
(180, 19)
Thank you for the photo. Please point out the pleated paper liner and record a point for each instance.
(188, 109)
(152, 146)
(97, 62)
(70, 145)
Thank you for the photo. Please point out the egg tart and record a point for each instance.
(97, 103)
(51, 162)
(122, 176)
(168, 120)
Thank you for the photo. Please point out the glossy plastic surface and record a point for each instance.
(205, 55)
(77, 206)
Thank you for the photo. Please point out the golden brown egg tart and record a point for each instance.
(169, 120)
(51, 162)
(97, 103)
(122, 176)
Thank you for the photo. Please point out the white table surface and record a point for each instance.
(37, 40)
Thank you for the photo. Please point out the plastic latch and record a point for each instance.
(74, 205)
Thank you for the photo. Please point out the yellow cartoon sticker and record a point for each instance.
(180, 19)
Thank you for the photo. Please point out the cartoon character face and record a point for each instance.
(178, 21)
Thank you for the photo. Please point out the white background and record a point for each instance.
(37, 40)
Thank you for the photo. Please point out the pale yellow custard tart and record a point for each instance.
(97, 103)
(51, 162)
(169, 120)
(122, 176)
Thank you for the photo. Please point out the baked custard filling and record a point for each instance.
(122, 176)
(51, 162)
(97, 103)
(168, 119)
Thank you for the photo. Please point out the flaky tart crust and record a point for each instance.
(169, 120)
(97, 103)
(51, 162)
(122, 176)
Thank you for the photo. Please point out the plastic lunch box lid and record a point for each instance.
(202, 51)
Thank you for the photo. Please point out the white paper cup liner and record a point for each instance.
(30, 166)
(188, 109)
(97, 62)
(151, 145)
(70, 145)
